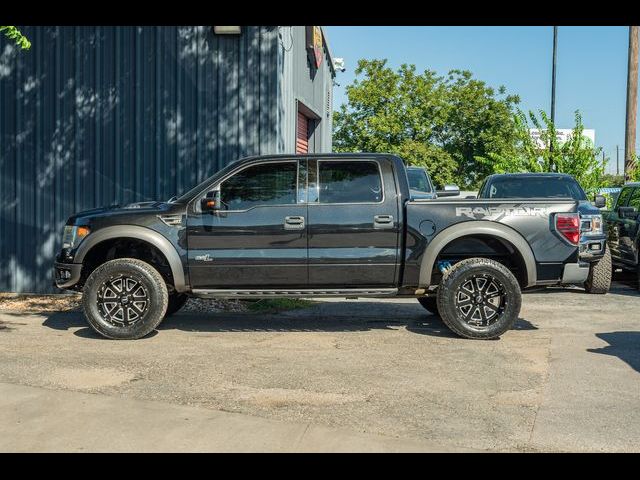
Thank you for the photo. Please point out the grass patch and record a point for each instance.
(274, 305)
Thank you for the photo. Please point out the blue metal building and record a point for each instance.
(92, 116)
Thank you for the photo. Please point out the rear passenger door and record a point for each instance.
(353, 221)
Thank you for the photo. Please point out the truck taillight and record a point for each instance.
(568, 225)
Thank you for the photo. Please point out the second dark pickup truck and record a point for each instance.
(332, 225)
(623, 223)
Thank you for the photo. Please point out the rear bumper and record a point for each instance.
(591, 249)
(66, 275)
(575, 273)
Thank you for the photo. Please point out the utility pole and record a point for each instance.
(553, 75)
(617, 160)
(552, 166)
(632, 104)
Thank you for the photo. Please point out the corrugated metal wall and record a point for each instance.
(307, 85)
(97, 115)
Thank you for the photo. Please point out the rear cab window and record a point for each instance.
(533, 187)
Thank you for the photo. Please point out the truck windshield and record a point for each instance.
(532, 187)
(418, 180)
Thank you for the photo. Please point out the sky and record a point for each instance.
(591, 73)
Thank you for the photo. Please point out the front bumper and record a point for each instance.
(66, 275)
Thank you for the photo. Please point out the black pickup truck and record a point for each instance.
(623, 223)
(330, 225)
(593, 255)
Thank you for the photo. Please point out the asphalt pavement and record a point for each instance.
(343, 375)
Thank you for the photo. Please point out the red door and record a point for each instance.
(302, 134)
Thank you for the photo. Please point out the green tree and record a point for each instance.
(609, 180)
(634, 172)
(577, 156)
(14, 34)
(441, 123)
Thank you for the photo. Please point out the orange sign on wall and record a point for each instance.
(314, 45)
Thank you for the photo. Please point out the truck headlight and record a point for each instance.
(73, 235)
(591, 225)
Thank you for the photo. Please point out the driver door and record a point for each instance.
(257, 238)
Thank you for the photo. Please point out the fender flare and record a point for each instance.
(479, 227)
(141, 233)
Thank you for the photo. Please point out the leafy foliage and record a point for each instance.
(609, 180)
(441, 123)
(14, 34)
(634, 173)
(577, 156)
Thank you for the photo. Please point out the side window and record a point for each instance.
(623, 197)
(264, 184)
(349, 182)
(634, 201)
(481, 189)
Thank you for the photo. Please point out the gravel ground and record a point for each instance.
(27, 303)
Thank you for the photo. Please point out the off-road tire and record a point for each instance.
(430, 304)
(599, 279)
(153, 285)
(502, 318)
(176, 302)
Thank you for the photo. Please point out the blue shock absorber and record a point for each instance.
(444, 265)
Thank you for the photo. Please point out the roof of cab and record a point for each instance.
(531, 174)
(316, 156)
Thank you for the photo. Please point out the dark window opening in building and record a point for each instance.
(302, 133)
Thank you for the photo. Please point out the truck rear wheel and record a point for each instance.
(599, 279)
(430, 304)
(479, 298)
(125, 298)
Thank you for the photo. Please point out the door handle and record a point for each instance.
(383, 221)
(293, 223)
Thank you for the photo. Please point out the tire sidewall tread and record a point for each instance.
(458, 274)
(141, 271)
(600, 273)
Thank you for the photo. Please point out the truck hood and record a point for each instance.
(113, 210)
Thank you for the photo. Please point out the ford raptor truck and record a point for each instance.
(593, 254)
(322, 225)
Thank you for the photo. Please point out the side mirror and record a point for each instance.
(211, 202)
(627, 212)
(599, 201)
(449, 191)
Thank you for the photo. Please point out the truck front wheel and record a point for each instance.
(479, 298)
(125, 298)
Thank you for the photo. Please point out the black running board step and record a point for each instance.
(300, 292)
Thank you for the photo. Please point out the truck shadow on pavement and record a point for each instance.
(622, 285)
(624, 345)
(343, 317)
